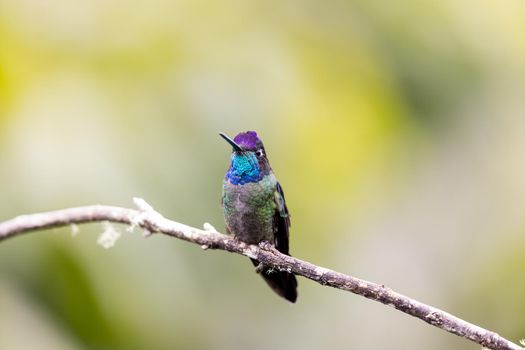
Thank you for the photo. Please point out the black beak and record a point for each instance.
(235, 146)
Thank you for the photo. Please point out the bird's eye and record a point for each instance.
(259, 153)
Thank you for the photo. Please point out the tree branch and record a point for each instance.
(151, 221)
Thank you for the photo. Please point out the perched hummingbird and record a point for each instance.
(254, 206)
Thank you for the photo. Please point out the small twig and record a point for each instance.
(151, 221)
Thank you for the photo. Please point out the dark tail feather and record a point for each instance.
(282, 283)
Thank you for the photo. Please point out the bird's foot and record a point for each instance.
(266, 245)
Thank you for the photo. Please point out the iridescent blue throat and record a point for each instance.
(244, 168)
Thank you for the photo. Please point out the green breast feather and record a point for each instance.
(250, 208)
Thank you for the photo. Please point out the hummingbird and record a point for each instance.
(254, 207)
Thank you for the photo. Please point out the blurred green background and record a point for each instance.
(395, 127)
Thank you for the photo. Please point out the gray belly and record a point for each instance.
(249, 210)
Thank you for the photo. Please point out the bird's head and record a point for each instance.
(248, 161)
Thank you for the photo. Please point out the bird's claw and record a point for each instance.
(265, 245)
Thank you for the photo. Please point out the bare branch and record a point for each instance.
(151, 221)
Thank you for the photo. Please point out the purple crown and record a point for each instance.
(247, 140)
